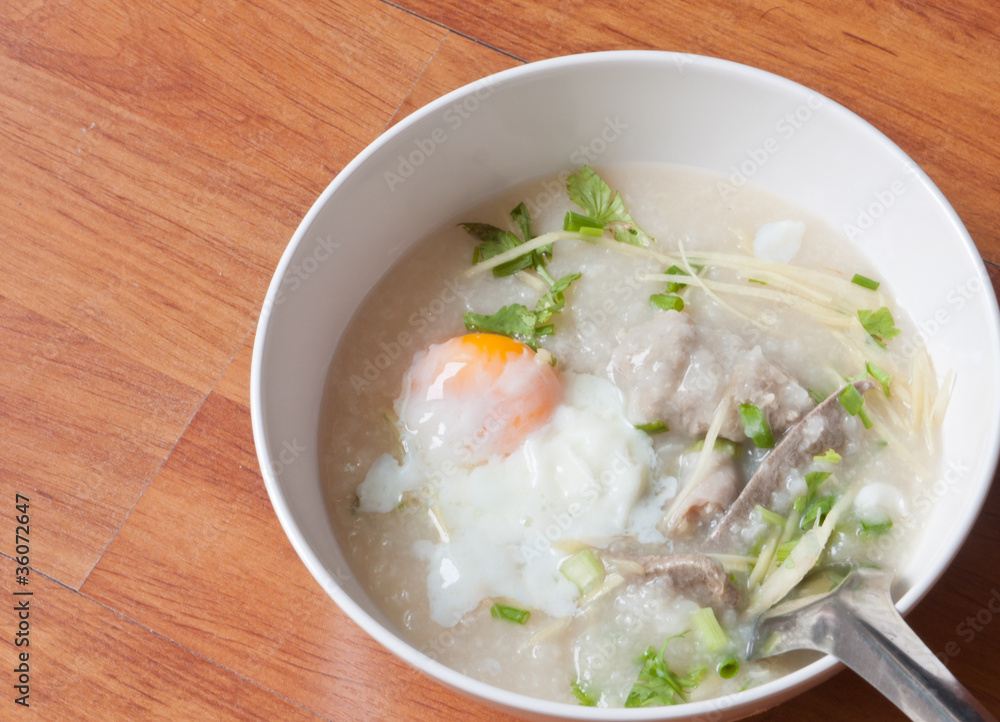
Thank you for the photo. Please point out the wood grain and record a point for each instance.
(88, 662)
(192, 538)
(252, 109)
(915, 70)
(154, 162)
(128, 288)
(457, 62)
(83, 430)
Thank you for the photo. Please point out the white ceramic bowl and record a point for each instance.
(620, 107)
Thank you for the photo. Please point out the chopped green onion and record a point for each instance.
(675, 286)
(770, 517)
(667, 302)
(755, 426)
(865, 418)
(817, 512)
(653, 427)
(588, 231)
(856, 377)
(754, 280)
(879, 375)
(817, 396)
(851, 399)
(784, 549)
(814, 479)
(581, 694)
(829, 455)
(577, 222)
(879, 325)
(724, 445)
(511, 614)
(865, 281)
(708, 629)
(875, 529)
(728, 667)
(584, 570)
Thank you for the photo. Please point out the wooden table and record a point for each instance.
(154, 161)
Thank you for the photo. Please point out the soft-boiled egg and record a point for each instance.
(516, 465)
(476, 396)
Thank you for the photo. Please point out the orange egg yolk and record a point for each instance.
(481, 394)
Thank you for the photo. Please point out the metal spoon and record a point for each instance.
(858, 624)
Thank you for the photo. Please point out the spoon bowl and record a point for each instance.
(858, 624)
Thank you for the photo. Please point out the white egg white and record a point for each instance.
(505, 525)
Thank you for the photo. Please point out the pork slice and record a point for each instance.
(766, 385)
(713, 494)
(649, 365)
(694, 576)
(825, 427)
(673, 370)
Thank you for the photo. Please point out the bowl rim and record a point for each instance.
(751, 700)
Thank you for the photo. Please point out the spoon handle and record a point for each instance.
(860, 626)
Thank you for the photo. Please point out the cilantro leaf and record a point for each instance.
(816, 512)
(755, 426)
(514, 320)
(517, 322)
(495, 241)
(829, 455)
(589, 191)
(814, 479)
(554, 300)
(586, 700)
(879, 325)
(522, 218)
(657, 684)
